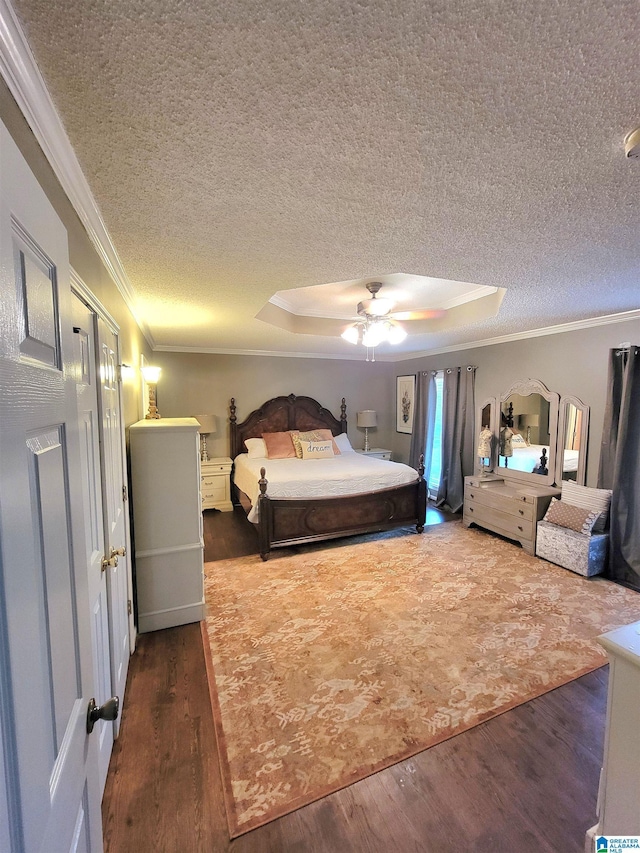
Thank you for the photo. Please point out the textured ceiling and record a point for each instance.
(238, 149)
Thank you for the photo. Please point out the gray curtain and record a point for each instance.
(458, 412)
(620, 465)
(424, 419)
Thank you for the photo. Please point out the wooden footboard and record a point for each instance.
(295, 521)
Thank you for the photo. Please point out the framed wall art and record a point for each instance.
(405, 396)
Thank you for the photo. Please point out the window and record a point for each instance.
(435, 470)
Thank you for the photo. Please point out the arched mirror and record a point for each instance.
(573, 433)
(527, 433)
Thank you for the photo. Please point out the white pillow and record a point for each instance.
(588, 498)
(344, 445)
(256, 448)
(518, 441)
(317, 449)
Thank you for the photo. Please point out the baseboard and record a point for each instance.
(160, 619)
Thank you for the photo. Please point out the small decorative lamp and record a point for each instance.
(484, 448)
(207, 427)
(367, 419)
(529, 421)
(151, 376)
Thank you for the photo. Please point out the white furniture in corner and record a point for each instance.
(619, 792)
(378, 452)
(167, 518)
(215, 476)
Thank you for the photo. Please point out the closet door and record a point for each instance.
(113, 480)
(52, 796)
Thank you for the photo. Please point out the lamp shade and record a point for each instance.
(367, 418)
(529, 420)
(151, 374)
(207, 424)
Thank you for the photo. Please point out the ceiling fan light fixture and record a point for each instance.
(351, 334)
(375, 307)
(374, 334)
(396, 334)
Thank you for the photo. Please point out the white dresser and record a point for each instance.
(619, 792)
(215, 478)
(378, 452)
(506, 507)
(167, 518)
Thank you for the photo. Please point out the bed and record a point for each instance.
(283, 518)
(528, 457)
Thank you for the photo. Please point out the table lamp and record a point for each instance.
(367, 419)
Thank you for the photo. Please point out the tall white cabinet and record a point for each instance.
(167, 517)
(619, 792)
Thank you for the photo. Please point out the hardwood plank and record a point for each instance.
(524, 781)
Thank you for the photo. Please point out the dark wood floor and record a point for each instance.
(525, 781)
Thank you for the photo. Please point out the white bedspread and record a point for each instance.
(526, 458)
(348, 474)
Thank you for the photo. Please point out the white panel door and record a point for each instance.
(50, 763)
(87, 388)
(113, 480)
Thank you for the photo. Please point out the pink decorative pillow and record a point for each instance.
(313, 435)
(279, 445)
(573, 517)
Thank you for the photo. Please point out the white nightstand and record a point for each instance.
(215, 484)
(378, 452)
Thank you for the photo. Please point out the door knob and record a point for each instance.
(109, 562)
(108, 711)
(112, 560)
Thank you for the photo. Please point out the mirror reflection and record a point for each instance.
(524, 433)
(571, 445)
(572, 440)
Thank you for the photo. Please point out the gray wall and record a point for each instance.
(568, 363)
(200, 384)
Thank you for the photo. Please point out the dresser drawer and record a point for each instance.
(215, 468)
(522, 506)
(213, 488)
(495, 519)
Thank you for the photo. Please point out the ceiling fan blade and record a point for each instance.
(420, 314)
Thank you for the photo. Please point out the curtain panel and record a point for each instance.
(619, 467)
(423, 422)
(458, 413)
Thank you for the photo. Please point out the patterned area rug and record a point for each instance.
(333, 662)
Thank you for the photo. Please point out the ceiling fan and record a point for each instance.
(378, 322)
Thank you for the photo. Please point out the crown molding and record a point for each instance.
(607, 320)
(265, 353)
(22, 75)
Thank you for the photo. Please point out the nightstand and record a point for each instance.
(378, 452)
(215, 484)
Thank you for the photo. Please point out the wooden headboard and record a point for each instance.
(281, 414)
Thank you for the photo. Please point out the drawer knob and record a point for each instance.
(470, 509)
(520, 528)
(471, 494)
(521, 511)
